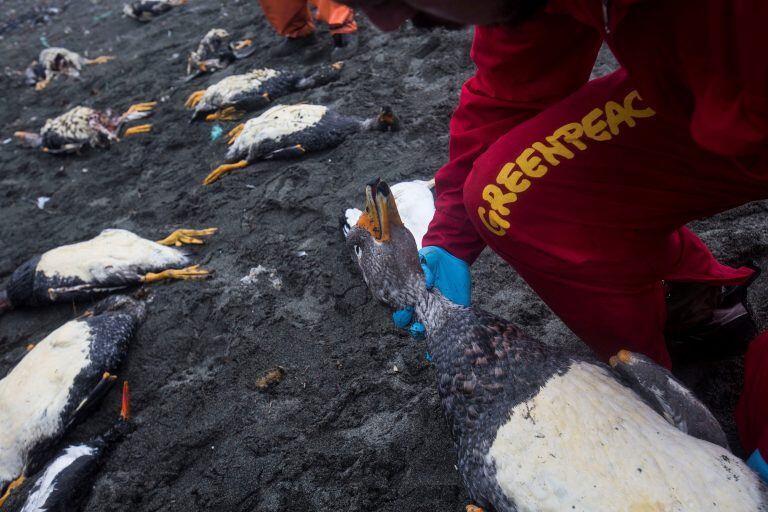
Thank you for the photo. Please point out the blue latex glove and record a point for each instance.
(445, 271)
(758, 464)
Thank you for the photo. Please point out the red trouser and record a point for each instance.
(291, 18)
(587, 201)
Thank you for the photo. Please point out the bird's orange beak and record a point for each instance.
(380, 211)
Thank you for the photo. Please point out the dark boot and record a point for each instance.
(344, 46)
(708, 323)
(292, 45)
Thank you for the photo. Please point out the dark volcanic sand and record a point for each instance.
(344, 430)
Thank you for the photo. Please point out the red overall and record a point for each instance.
(585, 188)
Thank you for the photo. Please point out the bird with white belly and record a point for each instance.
(541, 429)
(58, 382)
(415, 203)
(54, 62)
(290, 131)
(82, 127)
(114, 260)
(63, 483)
(216, 51)
(233, 96)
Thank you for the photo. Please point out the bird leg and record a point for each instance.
(193, 272)
(473, 508)
(223, 169)
(186, 236)
(226, 114)
(103, 59)
(13, 485)
(140, 128)
(194, 99)
(234, 133)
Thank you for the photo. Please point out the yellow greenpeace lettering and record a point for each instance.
(517, 176)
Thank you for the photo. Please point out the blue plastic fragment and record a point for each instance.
(428, 357)
(216, 132)
(44, 41)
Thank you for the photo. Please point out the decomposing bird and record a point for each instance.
(114, 260)
(538, 427)
(53, 62)
(86, 127)
(289, 131)
(216, 51)
(58, 382)
(63, 483)
(146, 10)
(415, 203)
(233, 96)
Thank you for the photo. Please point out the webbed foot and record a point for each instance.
(223, 169)
(184, 274)
(135, 130)
(234, 133)
(13, 485)
(243, 43)
(187, 236)
(42, 84)
(194, 98)
(139, 110)
(473, 508)
(225, 114)
(103, 59)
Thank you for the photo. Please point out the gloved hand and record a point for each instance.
(446, 272)
(758, 464)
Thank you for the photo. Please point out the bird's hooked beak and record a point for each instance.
(380, 211)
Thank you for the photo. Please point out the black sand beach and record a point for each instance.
(356, 424)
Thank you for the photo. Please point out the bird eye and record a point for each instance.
(358, 251)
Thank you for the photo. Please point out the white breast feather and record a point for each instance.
(587, 443)
(227, 88)
(276, 123)
(113, 251)
(44, 487)
(34, 394)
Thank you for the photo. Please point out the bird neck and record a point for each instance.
(434, 310)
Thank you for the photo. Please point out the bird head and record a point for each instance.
(105, 122)
(34, 73)
(384, 249)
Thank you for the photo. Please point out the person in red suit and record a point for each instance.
(585, 187)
